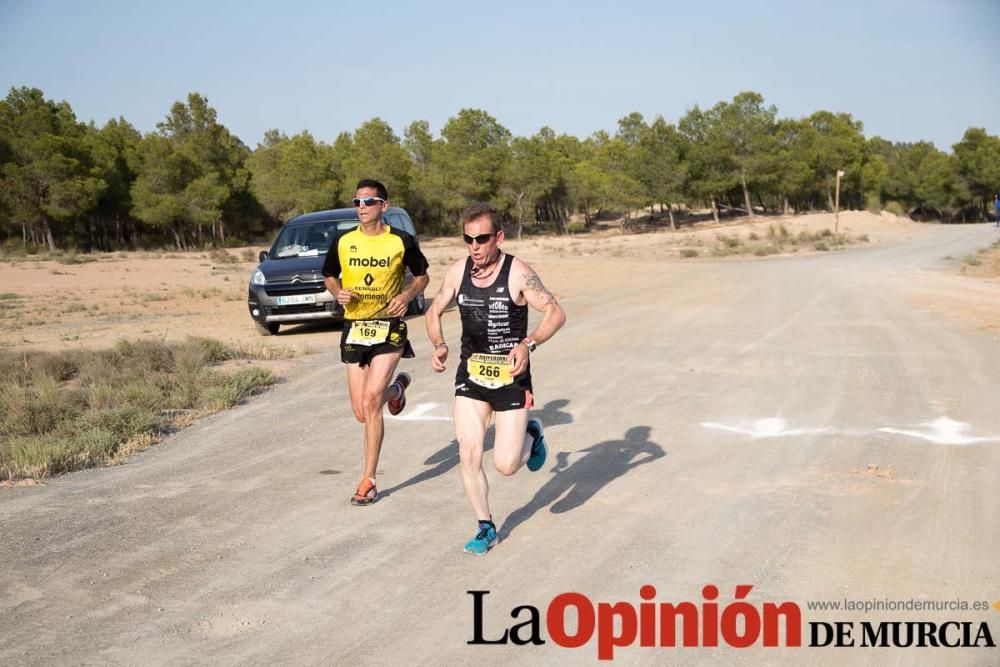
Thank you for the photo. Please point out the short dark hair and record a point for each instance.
(375, 185)
(480, 210)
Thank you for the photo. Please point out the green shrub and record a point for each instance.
(16, 248)
(71, 258)
(210, 351)
(142, 392)
(873, 203)
(897, 208)
(63, 411)
(43, 455)
(240, 385)
(127, 421)
(189, 385)
(765, 250)
(143, 355)
(222, 257)
(780, 232)
(59, 367)
(38, 407)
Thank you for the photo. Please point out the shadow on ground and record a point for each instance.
(446, 458)
(593, 468)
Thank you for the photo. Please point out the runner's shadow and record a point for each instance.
(446, 458)
(574, 484)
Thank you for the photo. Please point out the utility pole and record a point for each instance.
(836, 205)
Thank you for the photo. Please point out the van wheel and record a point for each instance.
(417, 306)
(267, 328)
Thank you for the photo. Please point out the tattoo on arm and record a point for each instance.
(533, 282)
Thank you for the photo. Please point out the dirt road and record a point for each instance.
(814, 426)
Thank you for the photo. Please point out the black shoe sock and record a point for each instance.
(488, 522)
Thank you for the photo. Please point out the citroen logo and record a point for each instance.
(296, 279)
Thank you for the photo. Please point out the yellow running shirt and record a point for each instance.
(374, 267)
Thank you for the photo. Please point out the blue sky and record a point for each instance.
(908, 70)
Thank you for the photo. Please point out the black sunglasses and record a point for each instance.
(481, 239)
(367, 201)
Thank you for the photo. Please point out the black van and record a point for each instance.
(287, 286)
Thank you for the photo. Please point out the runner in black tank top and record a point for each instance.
(493, 380)
(492, 324)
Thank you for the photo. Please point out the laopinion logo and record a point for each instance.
(572, 620)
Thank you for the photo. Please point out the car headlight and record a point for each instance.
(258, 278)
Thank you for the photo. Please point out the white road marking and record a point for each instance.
(419, 412)
(943, 431)
(771, 427)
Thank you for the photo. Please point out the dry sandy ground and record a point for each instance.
(804, 425)
(51, 305)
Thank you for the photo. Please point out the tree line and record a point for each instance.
(191, 182)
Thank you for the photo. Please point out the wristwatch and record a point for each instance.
(529, 342)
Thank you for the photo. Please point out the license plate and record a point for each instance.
(296, 299)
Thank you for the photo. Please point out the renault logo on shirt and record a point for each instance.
(369, 279)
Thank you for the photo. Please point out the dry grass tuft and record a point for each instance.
(79, 408)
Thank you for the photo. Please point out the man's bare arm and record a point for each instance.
(541, 299)
(342, 296)
(418, 285)
(449, 288)
(397, 305)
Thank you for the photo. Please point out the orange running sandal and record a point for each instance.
(366, 493)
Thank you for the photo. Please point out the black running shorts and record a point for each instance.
(391, 334)
(511, 397)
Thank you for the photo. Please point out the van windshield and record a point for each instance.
(308, 240)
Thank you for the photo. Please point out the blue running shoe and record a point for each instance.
(485, 539)
(538, 448)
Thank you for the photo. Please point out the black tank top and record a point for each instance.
(491, 322)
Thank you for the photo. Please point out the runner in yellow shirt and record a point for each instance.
(365, 270)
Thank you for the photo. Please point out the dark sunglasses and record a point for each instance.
(367, 201)
(481, 239)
